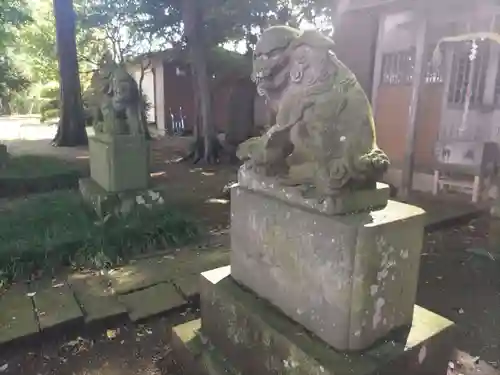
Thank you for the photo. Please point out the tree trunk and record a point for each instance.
(241, 116)
(6, 108)
(144, 113)
(71, 129)
(193, 25)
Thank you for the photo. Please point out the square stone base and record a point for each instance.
(118, 203)
(120, 162)
(349, 279)
(345, 203)
(243, 334)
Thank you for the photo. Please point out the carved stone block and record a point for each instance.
(343, 203)
(253, 337)
(119, 162)
(119, 203)
(349, 279)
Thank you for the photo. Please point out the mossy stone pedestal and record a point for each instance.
(119, 175)
(350, 279)
(313, 292)
(119, 162)
(240, 333)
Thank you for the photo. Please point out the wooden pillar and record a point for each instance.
(444, 129)
(418, 78)
(377, 69)
(491, 74)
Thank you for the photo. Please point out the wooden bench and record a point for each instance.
(467, 165)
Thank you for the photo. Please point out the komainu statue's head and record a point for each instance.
(120, 87)
(277, 54)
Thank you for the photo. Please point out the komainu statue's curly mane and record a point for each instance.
(324, 137)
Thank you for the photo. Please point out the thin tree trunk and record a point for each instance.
(193, 23)
(71, 129)
(144, 113)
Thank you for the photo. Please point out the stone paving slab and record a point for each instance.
(151, 301)
(56, 306)
(17, 317)
(97, 300)
(141, 289)
(189, 285)
(141, 274)
(194, 263)
(444, 209)
(196, 357)
(151, 271)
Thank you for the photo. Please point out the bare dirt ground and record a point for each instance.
(455, 281)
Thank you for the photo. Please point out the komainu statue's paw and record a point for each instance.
(249, 149)
(379, 161)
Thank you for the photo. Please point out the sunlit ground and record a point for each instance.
(27, 128)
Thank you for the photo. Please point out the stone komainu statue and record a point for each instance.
(117, 103)
(324, 138)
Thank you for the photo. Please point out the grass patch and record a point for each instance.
(48, 231)
(36, 174)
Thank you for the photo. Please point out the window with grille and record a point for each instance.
(461, 74)
(398, 68)
(433, 71)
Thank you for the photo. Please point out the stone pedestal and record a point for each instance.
(119, 175)
(349, 279)
(316, 287)
(119, 162)
(240, 333)
(122, 203)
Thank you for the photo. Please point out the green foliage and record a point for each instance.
(50, 101)
(32, 166)
(11, 79)
(34, 174)
(50, 111)
(48, 231)
(24, 103)
(13, 14)
(36, 52)
(229, 20)
(118, 22)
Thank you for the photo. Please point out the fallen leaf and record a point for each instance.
(4, 367)
(71, 343)
(111, 333)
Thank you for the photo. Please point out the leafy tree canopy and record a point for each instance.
(13, 14)
(139, 26)
(37, 47)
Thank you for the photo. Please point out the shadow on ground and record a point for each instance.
(454, 282)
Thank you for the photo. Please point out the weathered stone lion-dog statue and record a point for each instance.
(324, 139)
(117, 103)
